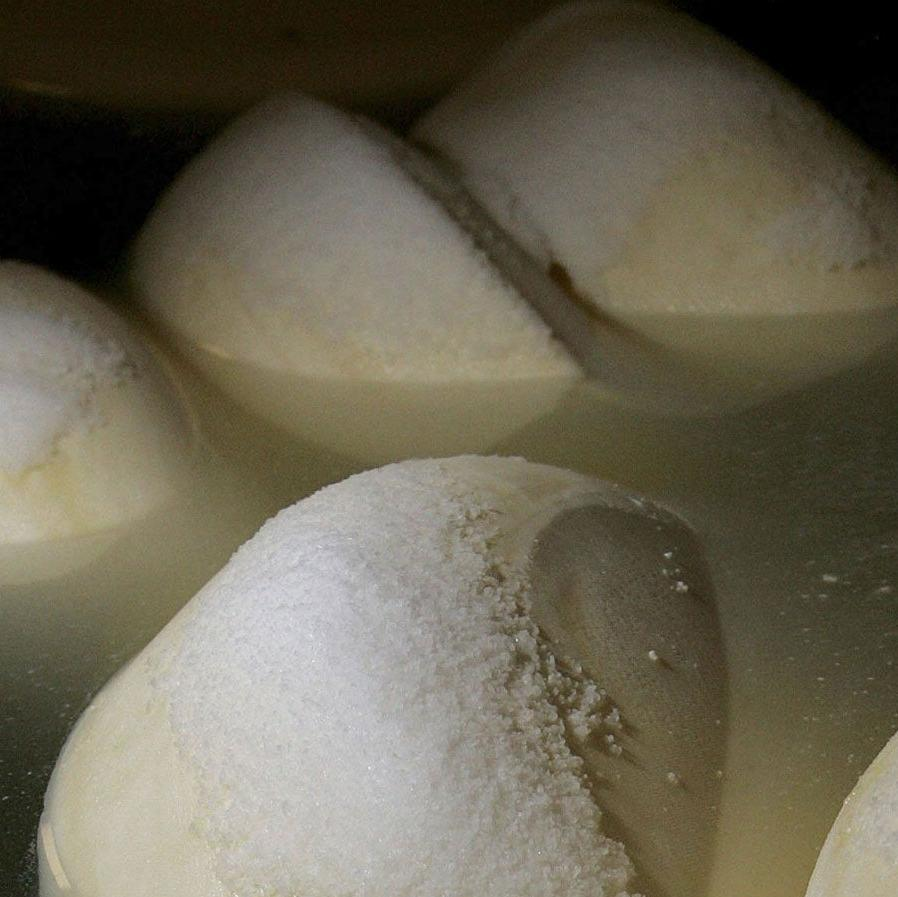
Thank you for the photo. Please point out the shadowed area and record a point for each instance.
(629, 597)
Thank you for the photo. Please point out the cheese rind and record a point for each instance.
(297, 246)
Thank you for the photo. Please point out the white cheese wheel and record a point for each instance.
(93, 434)
(682, 188)
(298, 264)
(364, 701)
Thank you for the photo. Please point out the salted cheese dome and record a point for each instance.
(92, 435)
(860, 856)
(299, 265)
(361, 702)
(681, 186)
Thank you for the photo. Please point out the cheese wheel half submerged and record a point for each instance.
(682, 188)
(299, 266)
(94, 436)
(380, 694)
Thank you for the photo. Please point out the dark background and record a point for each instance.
(80, 165)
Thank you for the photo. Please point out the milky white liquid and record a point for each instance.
(795, 502)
